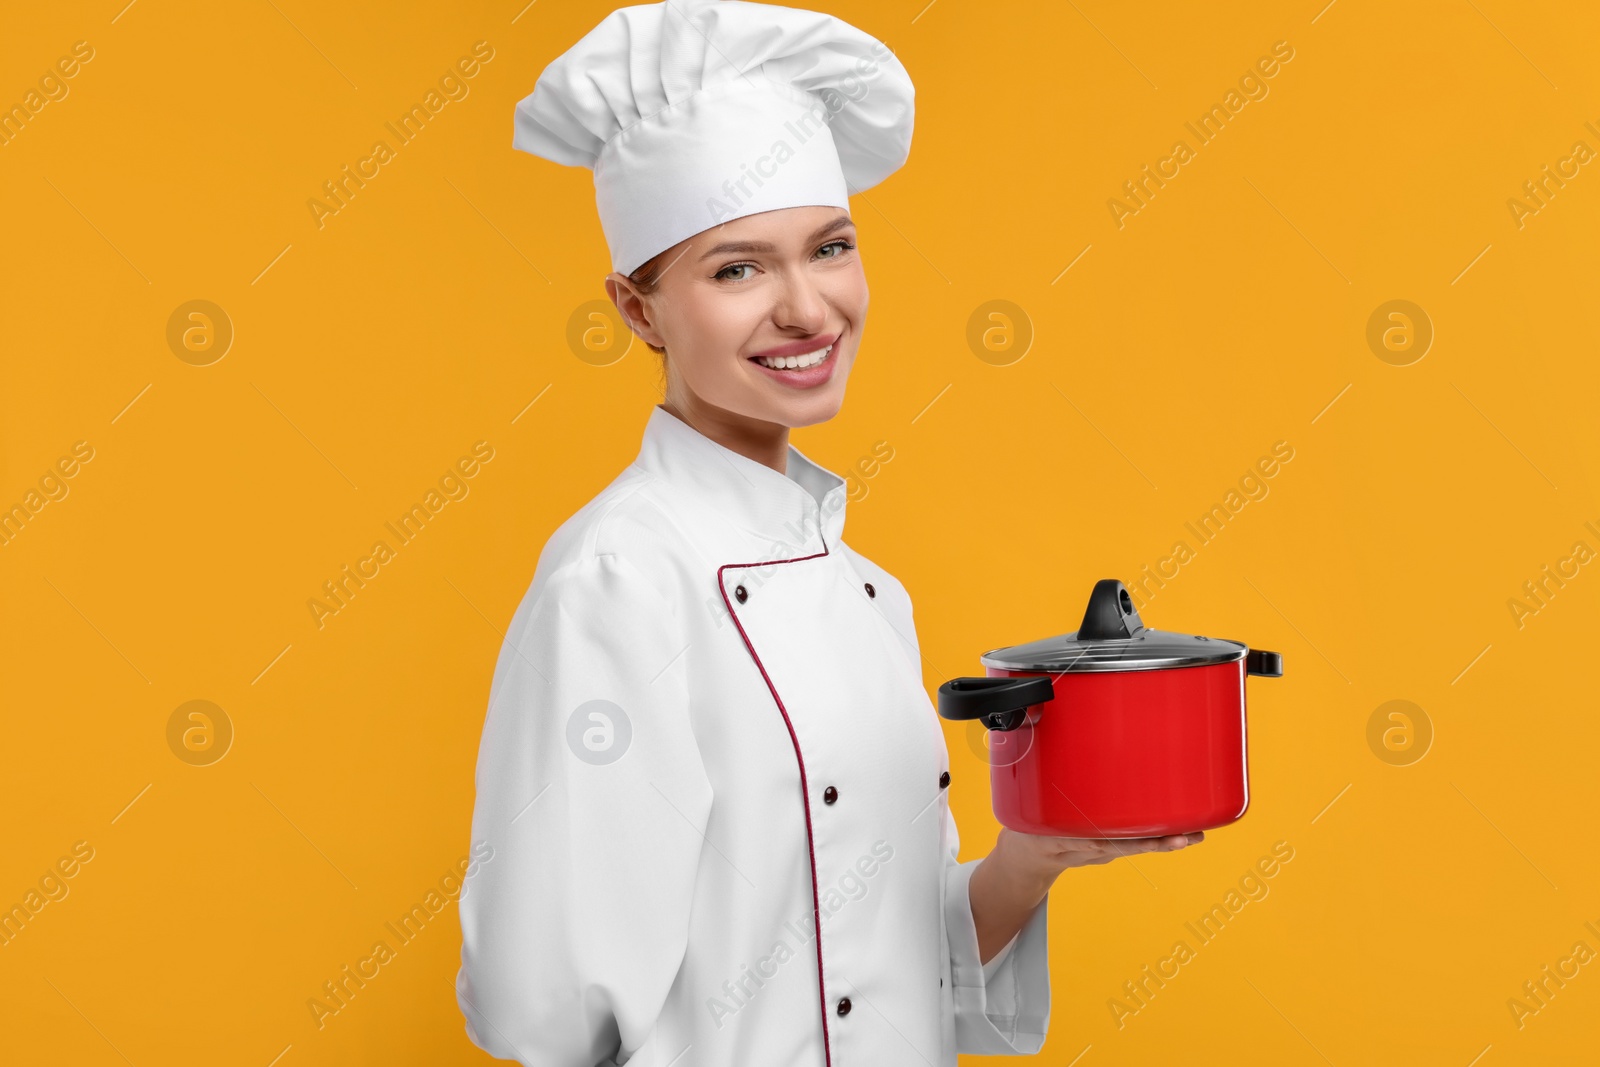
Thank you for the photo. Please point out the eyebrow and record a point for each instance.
(767, 246)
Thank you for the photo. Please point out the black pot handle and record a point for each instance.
(1002, 703)
(1265, 664)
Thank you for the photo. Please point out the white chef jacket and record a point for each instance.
(707, 730)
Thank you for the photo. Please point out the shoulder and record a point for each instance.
(621, 535)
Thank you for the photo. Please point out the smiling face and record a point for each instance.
(785, 285)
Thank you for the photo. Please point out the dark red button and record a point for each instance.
(844, 1005)
(829, 795)
(944, 779)
(739, 594)
(871, 591)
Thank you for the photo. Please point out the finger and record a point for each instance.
(1126, 846)
(1185, 840)
(1109, 848)
(1169, 843)
(1074, 844)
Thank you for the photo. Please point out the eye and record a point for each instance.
(841, 245)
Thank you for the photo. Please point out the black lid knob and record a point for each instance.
(1110, 614)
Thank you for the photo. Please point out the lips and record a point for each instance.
(798, 348)
(809, 377)
(800, 361)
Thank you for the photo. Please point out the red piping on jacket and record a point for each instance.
(805, 794)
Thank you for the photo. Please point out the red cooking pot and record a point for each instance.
(1114, 730)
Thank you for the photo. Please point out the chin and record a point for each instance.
(814, 410)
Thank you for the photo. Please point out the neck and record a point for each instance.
(765, 442)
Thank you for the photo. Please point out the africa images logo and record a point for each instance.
(337, 992)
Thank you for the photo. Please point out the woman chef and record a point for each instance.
(716, 789)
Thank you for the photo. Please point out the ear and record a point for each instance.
(634, 308)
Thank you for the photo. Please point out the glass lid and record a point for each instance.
(1112, 637)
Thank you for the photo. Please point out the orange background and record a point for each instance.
(1230, 312)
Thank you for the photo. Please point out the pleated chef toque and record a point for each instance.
(692, 113)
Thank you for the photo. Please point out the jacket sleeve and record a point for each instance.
(1002, 1008)
(592, 794)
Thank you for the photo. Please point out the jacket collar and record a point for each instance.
(778, 516)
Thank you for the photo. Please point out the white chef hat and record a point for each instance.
(695, 112)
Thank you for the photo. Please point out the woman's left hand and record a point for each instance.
(1041, 857)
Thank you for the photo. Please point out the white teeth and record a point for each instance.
(810, 359)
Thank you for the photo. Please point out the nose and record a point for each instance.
(800, 304)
